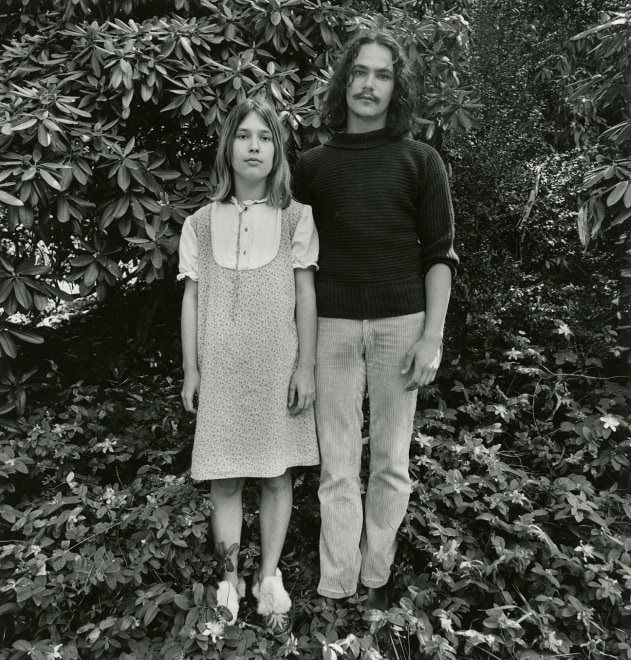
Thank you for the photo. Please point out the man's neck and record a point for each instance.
(358, 125)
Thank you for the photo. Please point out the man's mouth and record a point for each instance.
(364, 97)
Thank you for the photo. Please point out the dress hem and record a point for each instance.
(254, 476)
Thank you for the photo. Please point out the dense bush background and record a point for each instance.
(517, 539)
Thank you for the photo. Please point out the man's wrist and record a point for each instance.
(434, 337)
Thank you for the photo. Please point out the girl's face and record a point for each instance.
(252, 150)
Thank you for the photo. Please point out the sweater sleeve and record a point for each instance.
(300, 186)
(435, 223)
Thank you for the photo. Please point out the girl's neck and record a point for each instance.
(244, 192)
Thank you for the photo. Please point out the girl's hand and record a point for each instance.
(301, 393)
(190, 389)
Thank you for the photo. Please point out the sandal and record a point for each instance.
(274, 603)
(228, 597)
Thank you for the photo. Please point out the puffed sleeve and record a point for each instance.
(305, 244)
(188, 252)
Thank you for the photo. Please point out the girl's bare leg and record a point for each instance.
(227, 518)
(275, 511)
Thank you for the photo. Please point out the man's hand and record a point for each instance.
(422, 361)
(190, 388)
(301, 393)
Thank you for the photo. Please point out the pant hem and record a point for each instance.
(335, 594)
(374, 584)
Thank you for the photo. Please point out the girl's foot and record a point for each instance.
(274, 603)
(228, 596)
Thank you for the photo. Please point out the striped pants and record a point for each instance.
(355, 357)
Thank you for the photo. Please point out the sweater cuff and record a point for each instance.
(452, 263)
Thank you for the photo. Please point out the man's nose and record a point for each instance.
(369, 81)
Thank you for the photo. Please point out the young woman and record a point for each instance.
(248, 343)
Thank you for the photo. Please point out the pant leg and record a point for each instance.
(340, 388)
(392, 411)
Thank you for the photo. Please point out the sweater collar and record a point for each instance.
(368, 140)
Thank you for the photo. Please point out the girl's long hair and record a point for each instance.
(277, 188)
(402, 104)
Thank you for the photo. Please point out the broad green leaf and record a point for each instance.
(49, 178)
(618, 192)
(7, 198)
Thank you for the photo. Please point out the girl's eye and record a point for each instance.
(241, 136)
(266, 138)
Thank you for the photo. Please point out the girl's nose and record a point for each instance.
(254, 144)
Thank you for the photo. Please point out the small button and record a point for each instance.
(243, 251)
(245, 229)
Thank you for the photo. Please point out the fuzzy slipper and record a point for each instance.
(274, 603)
(228, 597)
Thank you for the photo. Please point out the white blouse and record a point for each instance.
(248, 236)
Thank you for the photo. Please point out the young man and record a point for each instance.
(383, 211)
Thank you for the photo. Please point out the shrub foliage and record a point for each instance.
(109, 114)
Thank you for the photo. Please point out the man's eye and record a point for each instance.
(385, 76)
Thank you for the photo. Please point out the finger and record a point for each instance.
(299, 405)
(426, 376)
(291, 394)
(407, 361)
(188, 401)
(415, 379)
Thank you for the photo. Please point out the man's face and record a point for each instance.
(370, 88)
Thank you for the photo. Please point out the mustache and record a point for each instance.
(363, 95)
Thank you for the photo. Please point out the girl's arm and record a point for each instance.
(190, 387)
(302, 385)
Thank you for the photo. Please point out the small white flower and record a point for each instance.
(564, 329)
(55, 654)
(610, 422)
(214, 630)
(424, 440)
(445, 622)
(586, 549)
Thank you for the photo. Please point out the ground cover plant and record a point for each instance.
(516, 543)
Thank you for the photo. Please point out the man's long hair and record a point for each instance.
(401, 106)
(277, 188)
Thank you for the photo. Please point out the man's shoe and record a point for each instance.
(377, 598)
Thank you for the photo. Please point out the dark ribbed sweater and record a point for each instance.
(384, 216)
